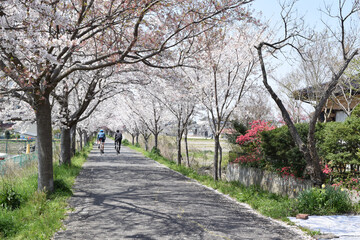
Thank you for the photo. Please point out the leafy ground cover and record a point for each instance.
(26, 213)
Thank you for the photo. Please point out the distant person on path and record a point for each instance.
(118, 139)
(101, 140)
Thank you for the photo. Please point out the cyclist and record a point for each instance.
(118, 138)
(101, 140)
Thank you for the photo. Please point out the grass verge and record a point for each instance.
(38, 215)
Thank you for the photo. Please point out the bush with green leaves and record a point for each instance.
(238, 128)
(341, 145)
(125, 142)
(137, 145)
(9, 198)
(281, 151)
(7, 134)
(340, 151)
(156, 151)
(322, 201)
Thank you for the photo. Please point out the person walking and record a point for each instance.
(118, 139)
(101, 140)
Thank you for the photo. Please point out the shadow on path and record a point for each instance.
(128, 196)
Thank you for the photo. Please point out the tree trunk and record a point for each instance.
(132, 139)
(178, 144)
(73, 140)
(187, 148)
(146, 139)
(80, 132)
(44, 145)
(137, 138)
(220, 160)
(216, 155)
(65, 157)
(156, 136)
(314, 166)
(86, 138)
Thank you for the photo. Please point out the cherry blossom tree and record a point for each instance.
(247, 112)
(43, 42)
(79, 100)
(144, 131)
(131, 125)
(150, 110)
(179, 99)
(223, 75)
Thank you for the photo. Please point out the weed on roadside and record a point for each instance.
(324, 201)
(39, 215)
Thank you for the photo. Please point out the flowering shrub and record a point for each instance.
(286, 172)
(327, 170)
(337, 144)
(350, 183)
(251, 142)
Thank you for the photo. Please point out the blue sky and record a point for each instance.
(308, 8)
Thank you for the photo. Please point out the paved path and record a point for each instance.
(128, 196)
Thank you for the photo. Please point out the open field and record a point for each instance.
(206, 144)
(201, 150)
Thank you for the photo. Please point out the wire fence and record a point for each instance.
(13, 153)
(14, 147)
(17, 161)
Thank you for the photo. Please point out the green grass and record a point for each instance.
(39, 215)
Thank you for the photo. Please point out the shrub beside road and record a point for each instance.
(26, 213)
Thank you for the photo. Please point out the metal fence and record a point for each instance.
(15, 153)
(17, 161)
(14, 147)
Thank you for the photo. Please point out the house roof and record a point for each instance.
(28, 129)
(310, 93)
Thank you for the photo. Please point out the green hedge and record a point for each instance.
(280, 150)
(341, 152)
(337, 143)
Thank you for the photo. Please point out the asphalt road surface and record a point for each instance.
(128, 196)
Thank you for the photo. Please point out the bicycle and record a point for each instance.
(101, 146)
(117, 146)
